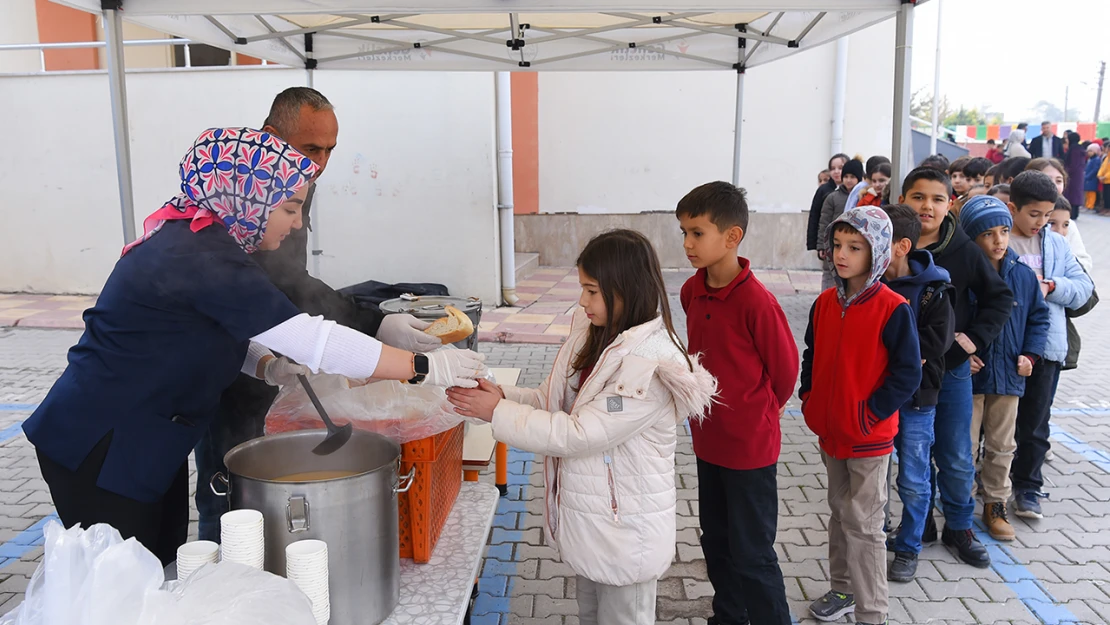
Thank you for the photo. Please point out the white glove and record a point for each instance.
(407, 332)
(455, 367)
(282, 371)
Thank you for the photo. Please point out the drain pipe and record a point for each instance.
(840, 95)
(505, 187)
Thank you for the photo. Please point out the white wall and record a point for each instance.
(628, 142)
(431, 149)
(18, 24)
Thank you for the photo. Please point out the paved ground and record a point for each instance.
(1057, 571)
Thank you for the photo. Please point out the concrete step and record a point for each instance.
(526, 265)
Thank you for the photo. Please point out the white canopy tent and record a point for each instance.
(503, 36)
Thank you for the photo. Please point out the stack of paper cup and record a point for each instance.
(191, 556)
(306, 565)
(241, 538)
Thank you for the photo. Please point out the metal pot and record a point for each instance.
(356, 515)
(430, 308)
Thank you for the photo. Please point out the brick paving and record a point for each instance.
(1057, 571)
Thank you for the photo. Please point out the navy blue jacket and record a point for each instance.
(167, 335)
(1025, 333)
(936, 320)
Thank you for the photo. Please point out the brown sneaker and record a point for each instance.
(994, 517)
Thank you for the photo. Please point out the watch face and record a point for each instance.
(420, 364)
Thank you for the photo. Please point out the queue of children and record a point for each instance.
(940, 338)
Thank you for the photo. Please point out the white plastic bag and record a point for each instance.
(94, 577)
(230, 594)
(88, 577)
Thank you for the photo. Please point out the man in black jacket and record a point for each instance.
(982, 303)
(306, 120)
(1047, 145)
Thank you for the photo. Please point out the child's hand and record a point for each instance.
(976, 364)
(1047, 286)
(821, 254)
(965, 343)
(1025, 366)
(476, 402)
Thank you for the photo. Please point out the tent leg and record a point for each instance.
(840, 95)
(117, 86)
(936, 82)
(505, 186)
(739, 125)
(902, 153)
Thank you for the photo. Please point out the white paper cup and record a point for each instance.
(191, 556)
(306, 565)
(241, 518)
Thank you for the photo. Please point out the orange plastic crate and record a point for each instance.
(423, 510)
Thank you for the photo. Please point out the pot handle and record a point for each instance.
(296, 512)
(409, 479)
(219, 477)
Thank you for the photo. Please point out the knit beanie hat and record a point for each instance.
(983, 212)
(853, 168)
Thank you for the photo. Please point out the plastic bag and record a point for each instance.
(88, 577)
(94, 577)
(402, 412)
(229, 594)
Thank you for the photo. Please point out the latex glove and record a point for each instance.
(455, 367)
(407, 332)
(282, 371)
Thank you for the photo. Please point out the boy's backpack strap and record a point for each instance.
(928, 293)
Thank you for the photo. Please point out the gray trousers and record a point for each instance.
(600, 604)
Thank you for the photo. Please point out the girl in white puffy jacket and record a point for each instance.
(607, 420)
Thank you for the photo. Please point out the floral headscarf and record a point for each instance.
(234, 177)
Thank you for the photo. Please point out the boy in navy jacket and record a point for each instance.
(1000, 370)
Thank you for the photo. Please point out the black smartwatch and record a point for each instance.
(421, 367)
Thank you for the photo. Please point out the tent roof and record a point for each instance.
(471, 35)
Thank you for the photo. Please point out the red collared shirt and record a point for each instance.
(745, 341)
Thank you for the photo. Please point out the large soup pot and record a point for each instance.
(356, 516)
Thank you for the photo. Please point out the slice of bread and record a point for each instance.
(453, 328)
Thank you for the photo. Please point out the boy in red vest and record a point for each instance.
(862, 362)
(741, 332)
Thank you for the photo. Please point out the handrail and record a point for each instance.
(69, 45)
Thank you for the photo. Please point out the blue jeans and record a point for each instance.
(955, 465)
(914, 444)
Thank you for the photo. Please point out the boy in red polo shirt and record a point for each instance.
(744, 340)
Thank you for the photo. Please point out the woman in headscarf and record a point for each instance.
(1014, 145)
(1075, 160)
(183, 312)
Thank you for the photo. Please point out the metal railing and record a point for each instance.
(43, 47)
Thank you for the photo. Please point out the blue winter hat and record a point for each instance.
(983, 212)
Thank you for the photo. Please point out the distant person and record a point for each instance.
(939, 162)
(1015, 145)
(1104, 177)
(1047, 144)
(994, 154)
(1010, 168)
(832, 208)
(1000, 191)
(871, 168)
(823, 177)
(1075, 160)
(1054, 169)
(836, 165)
(960, 184)
(1091, 184)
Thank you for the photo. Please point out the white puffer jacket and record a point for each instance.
(609, 471)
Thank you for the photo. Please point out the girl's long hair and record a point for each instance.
(627, 271)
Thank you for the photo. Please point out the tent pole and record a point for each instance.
(901, 154)
(739, 125)
(314, 228)
(503, 88)
(936, 82)
(117, 86)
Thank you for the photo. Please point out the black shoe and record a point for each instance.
(904, 567)
(832, 606)
(929, 535)
(968, 547)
